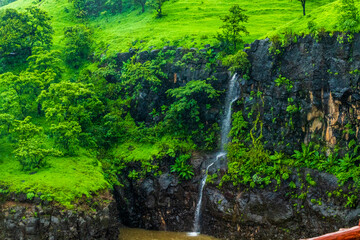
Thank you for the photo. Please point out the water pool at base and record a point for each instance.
(141, 234)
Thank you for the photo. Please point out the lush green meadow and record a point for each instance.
(63, 179)
(187, 23)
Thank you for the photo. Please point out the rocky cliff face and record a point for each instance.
(166, 203)
(32, 220)
(161, 203)
(320, 80)
(324, 75)
(274, 212)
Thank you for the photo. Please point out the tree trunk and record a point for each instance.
(39, 109)
(303, 5)
(160, 3)
(143, 7)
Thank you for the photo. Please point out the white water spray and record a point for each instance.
(231, 96)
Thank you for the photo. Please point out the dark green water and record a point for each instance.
(140, 234)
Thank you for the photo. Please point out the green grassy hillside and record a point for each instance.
(64, 179)
(325, 17)
(187, 23)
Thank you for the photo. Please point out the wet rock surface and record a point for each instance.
(29, 221)
(324, 77)
(274, 212)
(161, 203)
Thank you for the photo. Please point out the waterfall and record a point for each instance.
(231, 96)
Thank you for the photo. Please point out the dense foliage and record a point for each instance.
(350, 17)
(20, 32)
(46, 114)
(79, 43)
(136, 118)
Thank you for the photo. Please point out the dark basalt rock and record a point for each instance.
(271, 213)
(165, 203)
(324, 86)
(31, 221)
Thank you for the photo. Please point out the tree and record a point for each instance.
(118, 126)
(185, 113)
(6, 122)
(30, 148)
(157, 6)
(20, 91)
(46, 61)
(303, 3)
(237, 62)
(9, 103)
(20, 32)
(137, 76)
(114, 6)
(40, 30)
(66, 135)
(67, 101)
(31, 153)
(78, 41)
(74, 108)
(232, 29)
(142, 3)
(349, 16)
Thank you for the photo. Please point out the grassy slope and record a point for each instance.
(324, 17)
(193, 23)
(63, 180)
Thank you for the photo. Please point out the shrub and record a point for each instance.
(181, 167)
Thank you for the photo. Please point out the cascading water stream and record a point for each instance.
(231, 96)
(203, 181)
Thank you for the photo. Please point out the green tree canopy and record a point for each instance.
(184, 113)
(20, 32)
(30, 149)
(349, 18)
(46, 61)
(142, 3)
(66, 135)
(6, 122)
(19, 92)
(136, 76)
(78, 41)
(67, 101)
(232, 29)
(157, 6)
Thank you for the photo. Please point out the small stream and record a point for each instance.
(141, 234)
